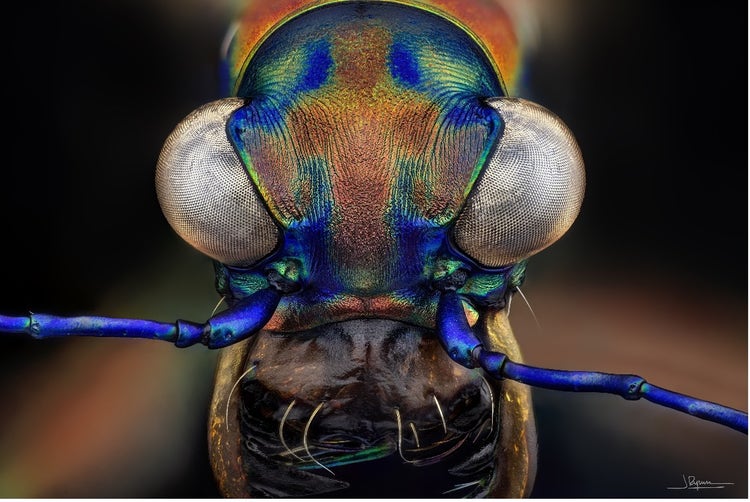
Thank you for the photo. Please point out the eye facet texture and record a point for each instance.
(206, 193)
(530, 191)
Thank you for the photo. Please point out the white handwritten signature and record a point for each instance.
(691, 483)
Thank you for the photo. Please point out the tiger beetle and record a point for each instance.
(370, 194)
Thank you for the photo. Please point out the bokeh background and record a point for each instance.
(651, 279)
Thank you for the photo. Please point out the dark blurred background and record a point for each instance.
(651, 279)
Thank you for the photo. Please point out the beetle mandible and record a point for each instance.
(323, 256)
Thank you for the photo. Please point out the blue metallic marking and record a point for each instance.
(319, 64)
(404, 65)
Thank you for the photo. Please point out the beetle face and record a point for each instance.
(370, 161)
(364, 150)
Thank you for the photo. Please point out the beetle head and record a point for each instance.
(373, 162)
(368, 155)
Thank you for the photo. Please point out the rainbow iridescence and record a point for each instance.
(365, 130)
(485, 21)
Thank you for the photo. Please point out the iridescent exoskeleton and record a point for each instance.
(363, 127)
(370, 194)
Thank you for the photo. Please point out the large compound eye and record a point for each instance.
(206, 193)
(530, 191)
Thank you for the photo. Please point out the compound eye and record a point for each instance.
(530, 191)
(205, 191)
